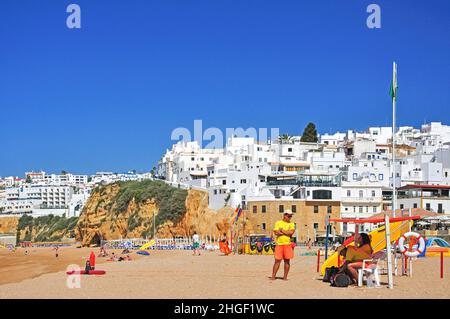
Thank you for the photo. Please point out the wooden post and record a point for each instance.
(442, 264)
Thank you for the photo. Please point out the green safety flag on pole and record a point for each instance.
(394, 87)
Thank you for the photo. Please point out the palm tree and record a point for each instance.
(285, 139)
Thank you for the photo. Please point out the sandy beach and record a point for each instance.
(178, 274)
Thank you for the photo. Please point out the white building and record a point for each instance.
(335, 139)
(44, 200)
(434, 198)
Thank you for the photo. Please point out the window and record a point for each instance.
(440, 210)
(224, 182)
(290, 149)
(294, 208)
(428, 206)
(361, 194)
(329, 209)
(373, 193)
(281, 208)
(355, 175)
(263, 226)
(316, 209)
(415, 205)
(402, 206)
(255, 209)
(360, 209)
(374, 209)
(263, 208)
(243, 181)
(316, 226)
(322, 194)
(380, 177)
(349, 193)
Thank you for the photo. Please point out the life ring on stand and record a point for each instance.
(417, 251)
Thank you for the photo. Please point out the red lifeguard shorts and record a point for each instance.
(284, 252)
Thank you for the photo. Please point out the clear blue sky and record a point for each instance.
(108, 96)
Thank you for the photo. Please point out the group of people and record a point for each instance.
(283, 232)
(113, 257)
(284, 250)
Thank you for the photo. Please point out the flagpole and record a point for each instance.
(394, 98)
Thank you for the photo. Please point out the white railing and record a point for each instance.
(207, 242)
(362, 199)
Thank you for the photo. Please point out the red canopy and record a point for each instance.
(373, 221)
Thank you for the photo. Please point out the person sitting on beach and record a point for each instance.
(113, 257)
(354, 255)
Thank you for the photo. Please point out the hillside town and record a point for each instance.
(340, 175)
(65, 194)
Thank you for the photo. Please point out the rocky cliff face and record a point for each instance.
(8, 225)
(45, 228)
(101, 218)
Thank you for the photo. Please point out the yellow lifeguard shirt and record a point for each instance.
(358, 253)
(282, 225)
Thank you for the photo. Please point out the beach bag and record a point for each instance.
(341, 280)
(329, 273)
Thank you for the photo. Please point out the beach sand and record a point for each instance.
(178, 274)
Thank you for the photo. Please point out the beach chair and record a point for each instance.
(370, 267)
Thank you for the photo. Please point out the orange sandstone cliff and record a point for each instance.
(127, 210)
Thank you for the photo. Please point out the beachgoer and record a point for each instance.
(87, 267)
(354, 255)
(196, 243)
(224, 248)
(308, 244)
(259, 247)
(56, 251)
(283, 231)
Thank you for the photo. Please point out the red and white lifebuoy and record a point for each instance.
(417, 251)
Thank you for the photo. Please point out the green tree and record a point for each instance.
(285, 139)
(63, 172)
(310, 133)
(28, 180)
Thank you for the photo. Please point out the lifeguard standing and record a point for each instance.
(284, 230)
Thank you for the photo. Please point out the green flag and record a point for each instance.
(394, 87)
